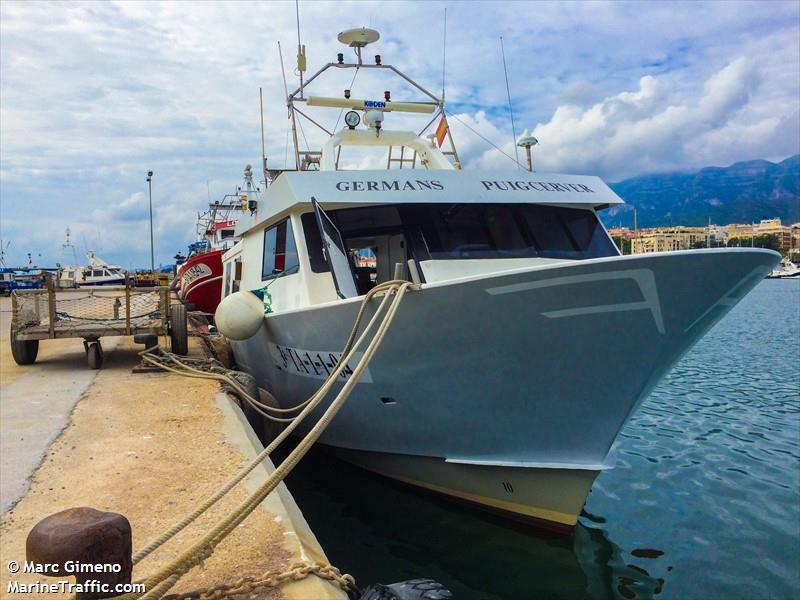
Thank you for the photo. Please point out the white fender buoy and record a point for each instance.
(239, 315)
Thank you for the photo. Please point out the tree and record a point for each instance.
(768, 240)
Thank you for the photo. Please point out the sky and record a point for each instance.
(93, 95)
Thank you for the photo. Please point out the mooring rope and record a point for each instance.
(160, 582)
(315, 399)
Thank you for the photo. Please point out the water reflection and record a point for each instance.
(608, 573)
(384, 531)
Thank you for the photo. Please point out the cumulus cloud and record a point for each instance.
(649, 129)
(96, 94)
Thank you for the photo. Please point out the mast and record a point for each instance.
(290, 106)
(358, 39)
(263, 151)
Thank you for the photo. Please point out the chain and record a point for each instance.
(246, 585)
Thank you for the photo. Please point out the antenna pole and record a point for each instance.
(444, 51)
(263, 152)
(300, 50)
(510, 110)
(290, 106)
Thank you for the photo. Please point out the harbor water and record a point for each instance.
(703, 500)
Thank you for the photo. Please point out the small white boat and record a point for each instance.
(97, 273)
(784, 270)
(506, 378)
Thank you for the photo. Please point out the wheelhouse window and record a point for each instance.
(314, 243)
(466, 230)
(237, 274)
(280, 251)
(453, 231)
(227, 288)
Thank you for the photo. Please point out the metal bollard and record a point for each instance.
(94, 546)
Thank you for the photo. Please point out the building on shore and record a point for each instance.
(766, 227)
(666, 239)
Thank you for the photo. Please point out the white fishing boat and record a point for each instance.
(96, 272)
(506, 377)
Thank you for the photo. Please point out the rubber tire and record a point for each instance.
(94, 356)
(178, 329)
(24, 351)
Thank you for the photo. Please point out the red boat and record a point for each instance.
(199, 278)
(200, 281)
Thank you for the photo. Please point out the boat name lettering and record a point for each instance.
(195, 272)
(314, 363)
(539, 186)
(374, 104)
(385, 186)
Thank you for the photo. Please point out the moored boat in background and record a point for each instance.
(198, 278)
(784, 270)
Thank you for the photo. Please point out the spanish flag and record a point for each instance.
(441, 131)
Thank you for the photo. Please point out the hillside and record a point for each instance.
(744, 192)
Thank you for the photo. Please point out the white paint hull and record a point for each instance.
(532, 371)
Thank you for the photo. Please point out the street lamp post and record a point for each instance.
(150, 196)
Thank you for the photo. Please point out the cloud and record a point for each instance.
(93, 95)
(649, 129)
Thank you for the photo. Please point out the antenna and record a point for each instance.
(263, 152)
(290, 107)
(508, 91)
(67, 245)
(444, 50)
(301, 50)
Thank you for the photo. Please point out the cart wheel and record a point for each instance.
(178, 329)
(94, 355)
(24, 351)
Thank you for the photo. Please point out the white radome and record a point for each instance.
(239, 316)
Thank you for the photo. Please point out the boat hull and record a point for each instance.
(532, 371)
(201, 281)
(546, 498)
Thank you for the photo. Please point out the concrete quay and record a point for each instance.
(149, 446)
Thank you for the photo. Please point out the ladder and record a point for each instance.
(402, 159)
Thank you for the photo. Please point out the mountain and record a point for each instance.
(744, 192)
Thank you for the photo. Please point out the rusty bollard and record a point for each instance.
(92, 545)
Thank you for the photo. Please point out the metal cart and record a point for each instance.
(91, 313)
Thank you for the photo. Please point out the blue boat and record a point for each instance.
(20, 279)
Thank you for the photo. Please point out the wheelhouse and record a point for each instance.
(328, 236)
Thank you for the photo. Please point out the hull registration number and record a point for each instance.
(314, 363)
